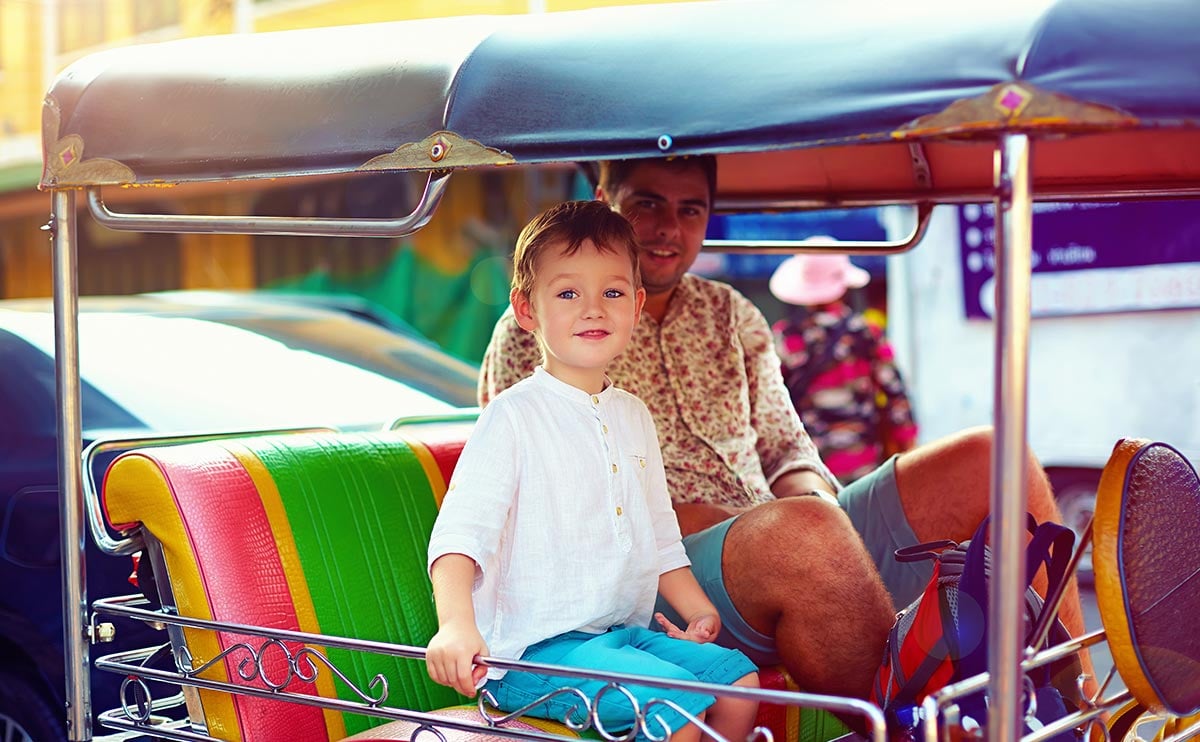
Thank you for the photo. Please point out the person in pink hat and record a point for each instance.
(839, 368)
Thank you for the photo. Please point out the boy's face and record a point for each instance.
(583, 308)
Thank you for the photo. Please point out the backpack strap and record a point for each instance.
(1044, 547)
(923, 552)
(1051, 545)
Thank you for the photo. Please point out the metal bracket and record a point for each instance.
(886, 247)
(276, 225)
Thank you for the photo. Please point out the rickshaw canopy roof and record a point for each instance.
(849, 102)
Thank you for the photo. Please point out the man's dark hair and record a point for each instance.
(615, 172)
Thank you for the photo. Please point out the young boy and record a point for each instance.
(557, 530)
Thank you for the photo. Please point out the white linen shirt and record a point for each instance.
(710, 375)
(560, 498)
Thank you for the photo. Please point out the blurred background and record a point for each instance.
(455, 270)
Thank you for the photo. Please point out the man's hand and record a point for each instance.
(801, 482)
(702, 629)
(450, 658)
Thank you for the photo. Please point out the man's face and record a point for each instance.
(668, 206)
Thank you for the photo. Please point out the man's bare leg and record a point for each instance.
(944, 490)
(797, 570)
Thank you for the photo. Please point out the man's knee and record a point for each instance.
(787, 544)
(973, 447)
(790, 523)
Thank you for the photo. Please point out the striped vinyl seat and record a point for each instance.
(323, 533)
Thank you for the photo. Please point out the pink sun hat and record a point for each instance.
(816, 279)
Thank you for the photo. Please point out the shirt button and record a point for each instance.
(642, 462)
(595, 399)
(604, 428)
(619, 510)
(614, 468)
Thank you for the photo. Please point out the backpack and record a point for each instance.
(941, 638)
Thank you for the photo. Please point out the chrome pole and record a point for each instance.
(1014, 232)
(70, 448)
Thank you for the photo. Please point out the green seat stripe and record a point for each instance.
(361, 511)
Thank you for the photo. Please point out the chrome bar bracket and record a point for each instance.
(885, 247)
(277, 225)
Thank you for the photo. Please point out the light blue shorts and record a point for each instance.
(873, 504)
(628, 649)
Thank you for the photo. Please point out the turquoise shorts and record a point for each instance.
(626, 649)
(873, 504)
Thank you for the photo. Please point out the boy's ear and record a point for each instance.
(522, 310)
(639, 299)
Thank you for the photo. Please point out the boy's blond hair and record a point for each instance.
(566, 226)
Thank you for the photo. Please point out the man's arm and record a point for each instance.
(511, 355)
(784, 447)
(800, 482)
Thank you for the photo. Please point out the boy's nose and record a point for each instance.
(594, 308)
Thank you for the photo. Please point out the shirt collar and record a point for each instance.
(683, 299)
(548, 381)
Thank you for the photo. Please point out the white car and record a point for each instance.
(207, 362)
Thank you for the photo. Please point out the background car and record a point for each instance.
(158, 365)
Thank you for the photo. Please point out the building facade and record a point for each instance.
(40, 39)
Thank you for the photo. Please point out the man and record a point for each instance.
(790, 573)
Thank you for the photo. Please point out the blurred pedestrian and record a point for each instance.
(838, 367)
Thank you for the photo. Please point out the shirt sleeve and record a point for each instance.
(783, 444)
(669, 541)
(511, 355)
(475, 510)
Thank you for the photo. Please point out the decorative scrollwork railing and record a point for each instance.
(301, 667)
(262, 654)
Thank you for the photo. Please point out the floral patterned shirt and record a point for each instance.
(710, 375)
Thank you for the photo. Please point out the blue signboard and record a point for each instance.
(840, 224)
(1091, 258)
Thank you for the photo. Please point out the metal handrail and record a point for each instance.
(466, 415)
(855, 247)
(403, 226)
(739, 204)
(935, 702)
(129, 607)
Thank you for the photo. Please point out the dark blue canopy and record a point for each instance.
(826, 101)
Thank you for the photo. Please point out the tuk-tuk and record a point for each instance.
(805, 106)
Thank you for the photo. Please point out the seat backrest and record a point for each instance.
(323, 533)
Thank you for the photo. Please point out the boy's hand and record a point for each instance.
(702, 629)
(450, 658)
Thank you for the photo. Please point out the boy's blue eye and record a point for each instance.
(613, 294)
(567, 294)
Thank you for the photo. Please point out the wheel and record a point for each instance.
(27, 713)
(1075, 491)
